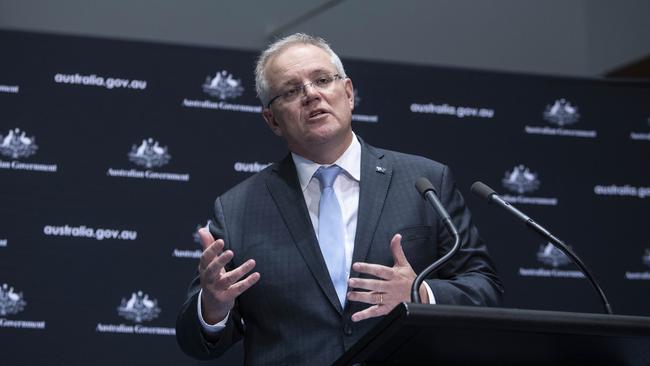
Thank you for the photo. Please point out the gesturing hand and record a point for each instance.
(221, 287)
(392, 286)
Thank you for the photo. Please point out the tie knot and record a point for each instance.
(327, 175)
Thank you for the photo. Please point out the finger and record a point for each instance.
(376, 270)
(367, 284)
(366, 297)
(206, 238)
(398, 252)
(214, 270)
(239, 287)
(370, 312)
(210, 253)
(230, 277)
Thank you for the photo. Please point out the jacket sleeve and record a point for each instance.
(189, 334)
(469, 277)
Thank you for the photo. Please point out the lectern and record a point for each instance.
(419, 334)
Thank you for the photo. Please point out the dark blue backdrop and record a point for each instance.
(112, 152)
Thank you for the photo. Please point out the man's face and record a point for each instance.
(318, 120)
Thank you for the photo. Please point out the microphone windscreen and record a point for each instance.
(482, 190)
(423, 185)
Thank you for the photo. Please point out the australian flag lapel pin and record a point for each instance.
(380, 169)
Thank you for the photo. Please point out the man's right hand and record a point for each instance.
(221, 287)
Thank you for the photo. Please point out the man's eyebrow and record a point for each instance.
(290, 82)
(312, 74)
(319, 72)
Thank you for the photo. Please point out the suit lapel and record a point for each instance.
(376, 174)
(285, 190)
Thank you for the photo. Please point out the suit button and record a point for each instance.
(347, 329)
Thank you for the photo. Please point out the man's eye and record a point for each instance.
(323, 80)
(290, 92)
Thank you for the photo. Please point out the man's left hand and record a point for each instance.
(392, 286)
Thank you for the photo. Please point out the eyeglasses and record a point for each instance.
(322, 82)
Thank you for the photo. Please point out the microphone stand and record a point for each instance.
(427, 191)
(488, 193)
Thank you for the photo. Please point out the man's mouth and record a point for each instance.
(316, 113)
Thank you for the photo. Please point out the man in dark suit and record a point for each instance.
(312, 251)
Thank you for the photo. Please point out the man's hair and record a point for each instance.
(261, 82)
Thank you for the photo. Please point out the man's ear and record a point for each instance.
(349, 91)
(271, 121)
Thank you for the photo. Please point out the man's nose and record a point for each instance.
(310, 93)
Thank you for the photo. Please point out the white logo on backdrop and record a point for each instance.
(139, 307)
(16, 144)
(11, 302)
(561, 113)
(644, 275)
(362, 117)
(223, 86)
(194, 253)
(520, 180)
(149, 154)
(552, 256)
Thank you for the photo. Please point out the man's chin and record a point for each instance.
(327, 136)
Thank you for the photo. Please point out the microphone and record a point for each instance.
(483, 191)
(424, 186)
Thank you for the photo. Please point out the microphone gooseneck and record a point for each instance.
(427, 191)
(483, 191)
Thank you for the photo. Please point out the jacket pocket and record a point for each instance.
(415, 234)
(419, 246)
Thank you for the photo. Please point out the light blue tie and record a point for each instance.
(330, 229)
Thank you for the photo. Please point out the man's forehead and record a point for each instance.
(299, 60)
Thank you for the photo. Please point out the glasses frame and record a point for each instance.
(301, 88)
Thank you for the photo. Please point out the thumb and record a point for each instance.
(398, 252)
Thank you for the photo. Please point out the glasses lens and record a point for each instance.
(322, 82)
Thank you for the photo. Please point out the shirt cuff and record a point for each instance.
(210, 329)
(432, 299)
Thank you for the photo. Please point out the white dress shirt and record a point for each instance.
(346, 188)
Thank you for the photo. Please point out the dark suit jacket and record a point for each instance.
(292, 315)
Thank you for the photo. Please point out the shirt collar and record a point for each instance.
(349, 161)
